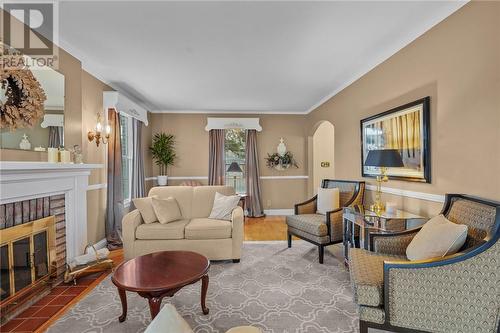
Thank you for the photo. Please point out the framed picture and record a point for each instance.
(405, 128)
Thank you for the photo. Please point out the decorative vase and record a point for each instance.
(281, 167)
(162, 180)
(25, 144)
(281, 148)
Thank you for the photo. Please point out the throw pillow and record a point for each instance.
(439, 237)
(328, 200)
(223, 206)
(167, 210)
(145, 207)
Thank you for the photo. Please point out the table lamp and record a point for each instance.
(382, 158)
(234, 167)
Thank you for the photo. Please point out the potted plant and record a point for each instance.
(163, 153)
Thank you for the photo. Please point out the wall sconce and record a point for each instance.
(97, 134)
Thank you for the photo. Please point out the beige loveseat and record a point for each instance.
(215, 239)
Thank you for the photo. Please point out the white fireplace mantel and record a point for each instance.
(28, 180)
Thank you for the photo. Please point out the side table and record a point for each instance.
(366, 221)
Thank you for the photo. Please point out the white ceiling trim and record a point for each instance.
(229, 112)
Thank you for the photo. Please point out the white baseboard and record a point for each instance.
(272, 212)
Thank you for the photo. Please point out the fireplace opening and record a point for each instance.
(28, 254)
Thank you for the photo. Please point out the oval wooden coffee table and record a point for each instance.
(161, 274)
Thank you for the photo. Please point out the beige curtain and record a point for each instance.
(114, 206)
(216, 163)
(252, 177)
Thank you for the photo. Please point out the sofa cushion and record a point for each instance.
(223, 206)
(438, 238)
(145, 207)
(203, 199)
(314, 224)
(167, 210)
(367, 275)
(205, 228)
(156, 230)
(183, 195)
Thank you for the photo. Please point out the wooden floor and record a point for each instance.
(265, 228)
(256, 229)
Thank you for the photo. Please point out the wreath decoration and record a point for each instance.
(281, 162)
(24, 98)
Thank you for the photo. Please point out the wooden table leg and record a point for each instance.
(154, 306)
(123, 299)
(204, 288)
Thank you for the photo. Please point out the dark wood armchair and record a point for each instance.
(455, 293)
(324, 230)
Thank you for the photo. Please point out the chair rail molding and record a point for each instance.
(206, 177)
(93, 187)
(409, 194)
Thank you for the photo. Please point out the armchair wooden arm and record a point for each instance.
(393, 243)
(306, 207)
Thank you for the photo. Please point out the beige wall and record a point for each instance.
(457, 64)
(323, 151)
(92, 102)
(83, 99)
(192, 149)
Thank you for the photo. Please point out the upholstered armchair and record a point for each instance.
(456, 293)
(324, 230)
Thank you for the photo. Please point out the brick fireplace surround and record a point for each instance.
(22, 212)
(34, 190)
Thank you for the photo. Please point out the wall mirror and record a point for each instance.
(49, 130)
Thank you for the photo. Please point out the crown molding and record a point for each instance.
(298, 113)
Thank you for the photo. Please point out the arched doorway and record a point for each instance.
(322, 157)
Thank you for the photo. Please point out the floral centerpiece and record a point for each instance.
(281, 162)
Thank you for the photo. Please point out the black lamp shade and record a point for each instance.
(234, 167)
(384, 158)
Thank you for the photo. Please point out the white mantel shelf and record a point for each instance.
(18, 166)
(21, 181)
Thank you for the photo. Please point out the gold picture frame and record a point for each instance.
(405, 128)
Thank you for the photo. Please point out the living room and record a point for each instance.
(285, 166)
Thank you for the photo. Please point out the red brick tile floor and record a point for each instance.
(33, 318)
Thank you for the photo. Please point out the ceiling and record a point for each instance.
(239, 57)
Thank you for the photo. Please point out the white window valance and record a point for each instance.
(122, 104)
(228, 123)
(52, 120)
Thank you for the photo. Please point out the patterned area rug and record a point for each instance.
(273, 287)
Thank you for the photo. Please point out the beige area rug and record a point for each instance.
(274, 288)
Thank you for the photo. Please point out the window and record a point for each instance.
(234, 151)
(127, 151)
